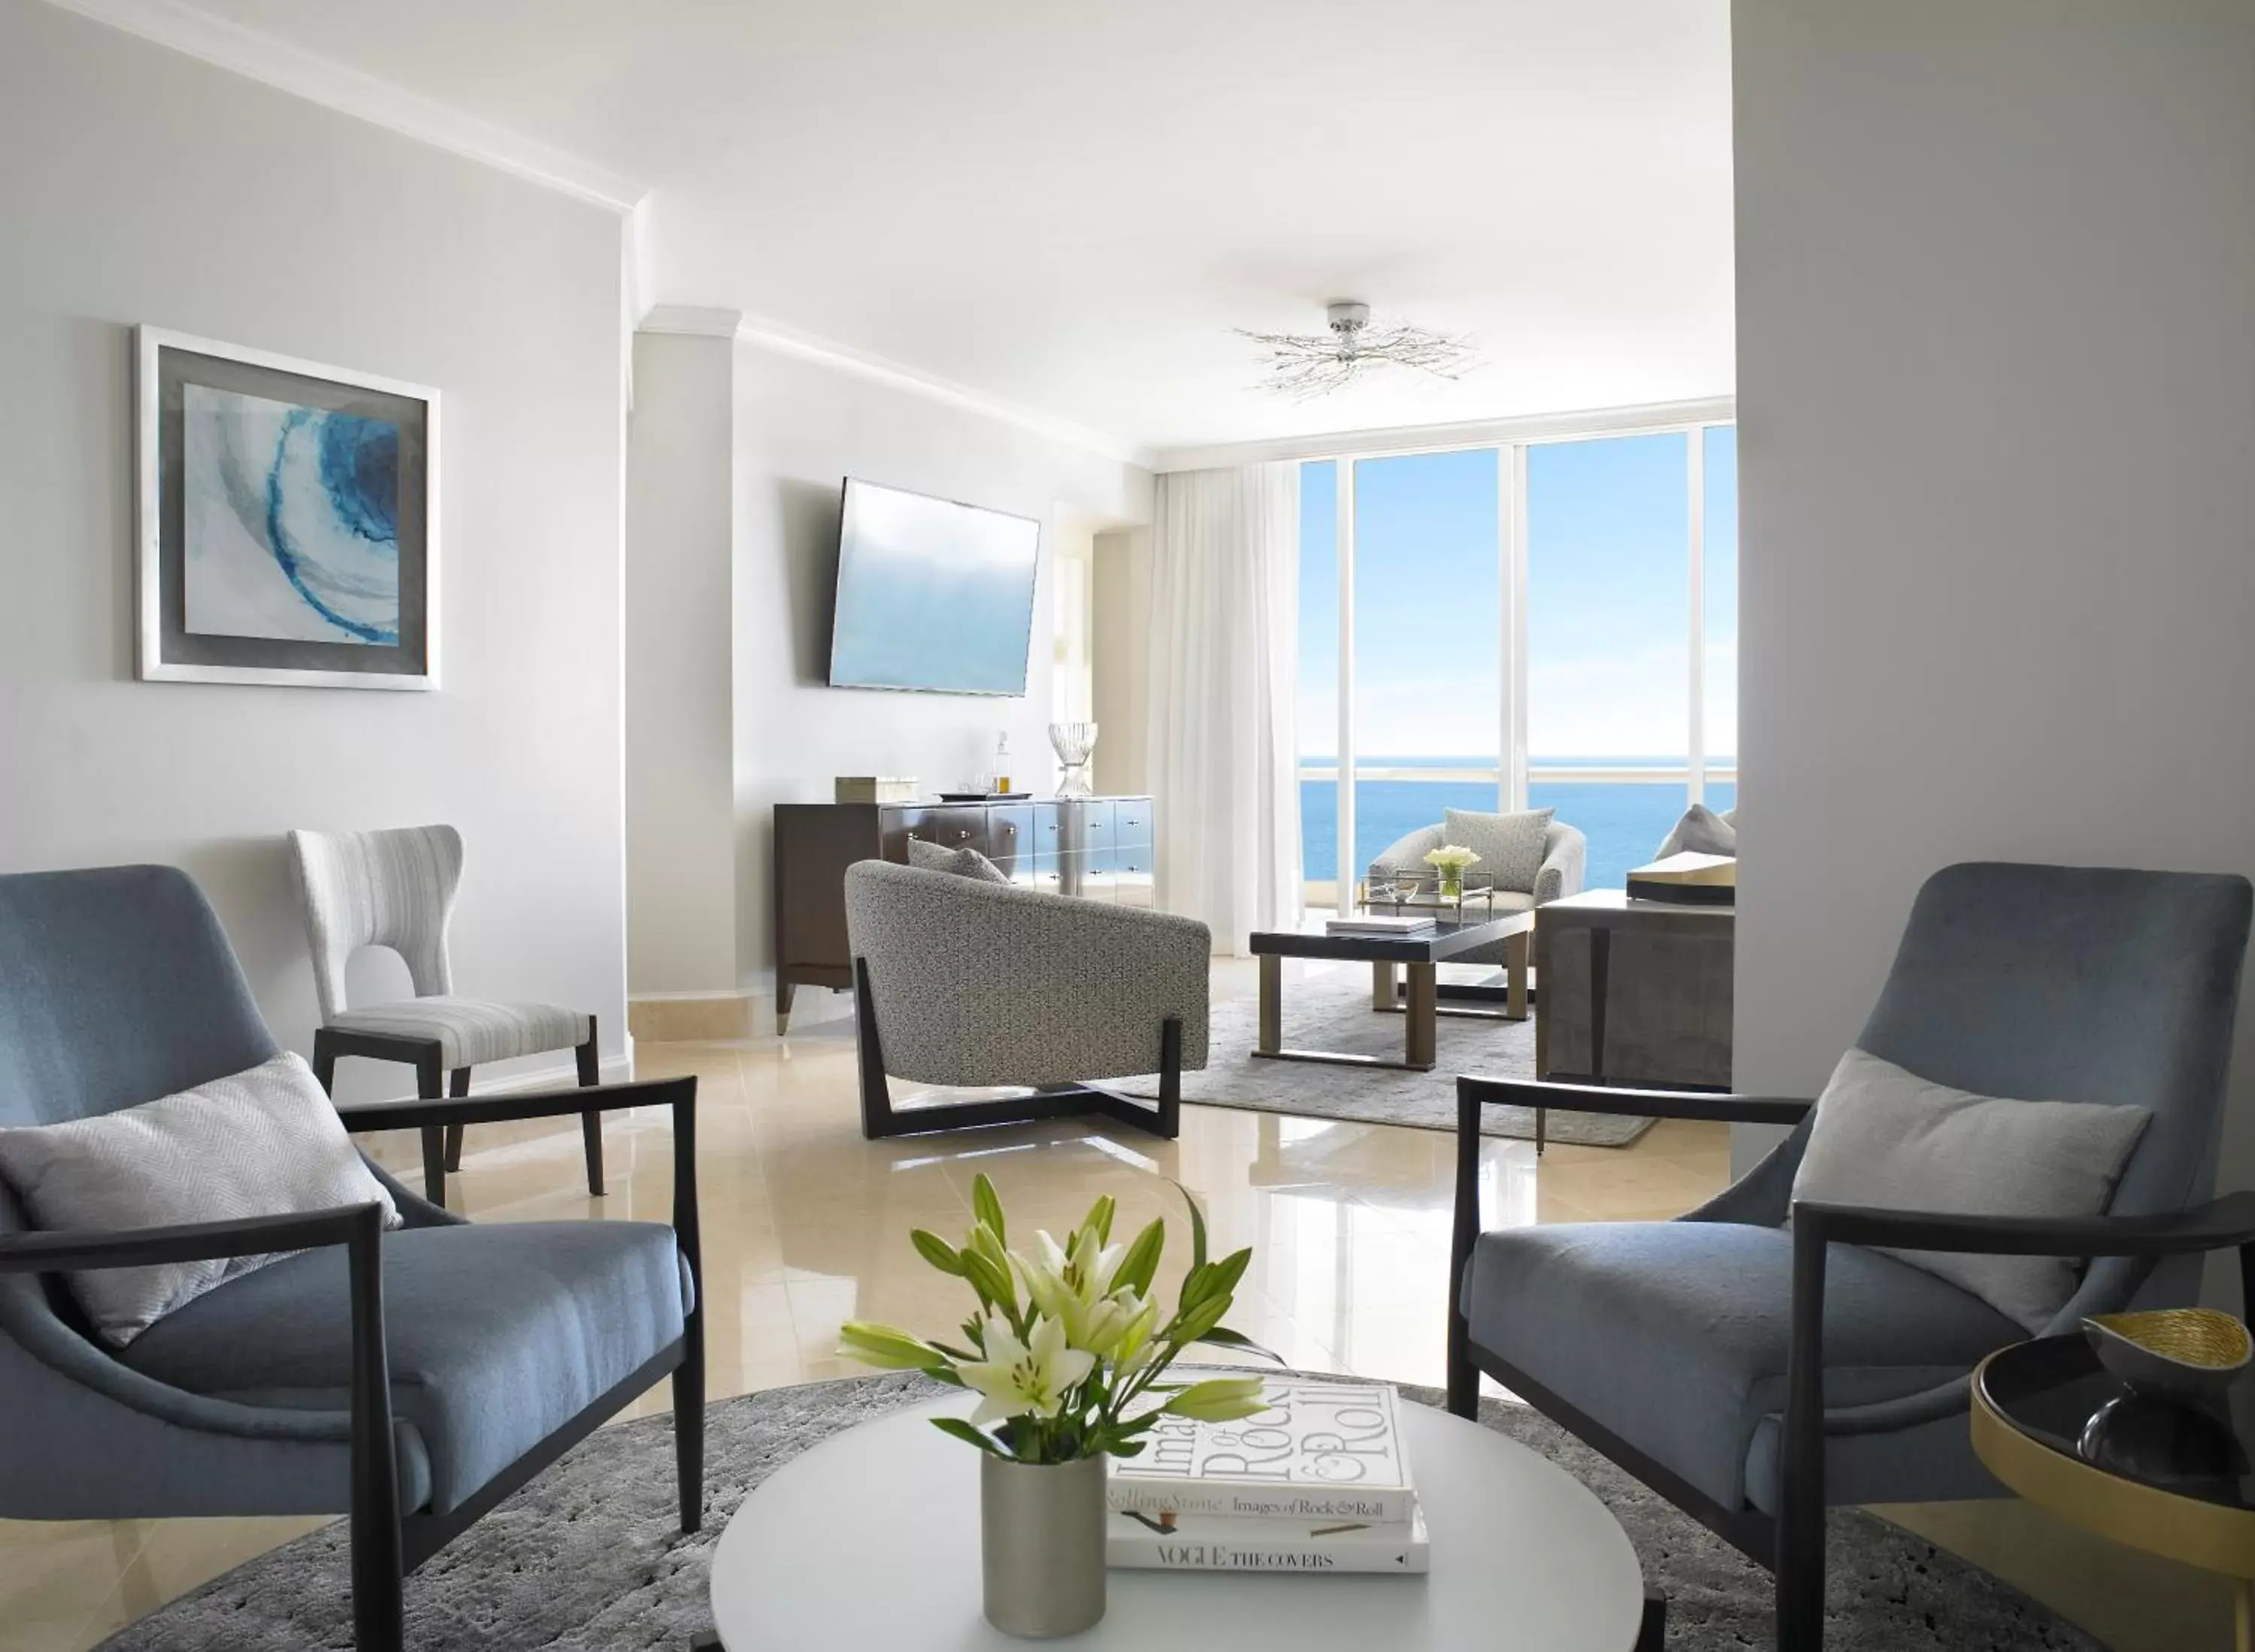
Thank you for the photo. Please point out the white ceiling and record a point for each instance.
(1068, 204)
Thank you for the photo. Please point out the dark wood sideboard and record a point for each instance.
(1097, 848)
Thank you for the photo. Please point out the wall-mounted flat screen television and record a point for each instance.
(931, 595)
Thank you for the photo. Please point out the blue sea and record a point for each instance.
(1624, 820)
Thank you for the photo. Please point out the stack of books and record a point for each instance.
(1690, 878)
(1317, 1482)
(1401, 927)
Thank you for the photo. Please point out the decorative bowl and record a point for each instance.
(2190, 1355)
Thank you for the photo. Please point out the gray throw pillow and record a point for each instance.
(263, 1143)
(964, 862)
(1885, 1137)
(1700, 831)
(1509, 846)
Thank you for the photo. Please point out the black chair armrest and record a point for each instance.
(681, 1095)
(2229, 1221)
(77, 1250)
(2220, 1223)
(376, 1535)
(1644, 1104)
(416, 1112)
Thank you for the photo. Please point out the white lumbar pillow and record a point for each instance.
(263, 1143)
(1884, 1137)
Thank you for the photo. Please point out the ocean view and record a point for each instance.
(1624, 820)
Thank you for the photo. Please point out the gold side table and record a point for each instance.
(2191, 1498)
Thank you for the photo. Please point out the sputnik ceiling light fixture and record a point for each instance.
(1306, 365)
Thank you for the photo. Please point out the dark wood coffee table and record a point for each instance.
(1420, 1002)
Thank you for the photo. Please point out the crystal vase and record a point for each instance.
(1074, 744)
(1042, 1545)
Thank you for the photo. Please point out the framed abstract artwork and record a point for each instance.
(288, 517)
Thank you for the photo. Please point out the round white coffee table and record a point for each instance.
(869, 1542)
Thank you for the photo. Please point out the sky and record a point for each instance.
(1608, 600)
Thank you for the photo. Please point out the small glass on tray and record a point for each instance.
(1405, 888)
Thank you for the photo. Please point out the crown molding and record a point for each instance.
(1480, 433)
(766, 335)
(350, 91)
(697, 320)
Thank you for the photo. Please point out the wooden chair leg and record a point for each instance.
(689, 1435)
(591, 1124)
(1651, 1632)
(325, 1064)
(460, 1086)
(1169, 1119)
(434, 1139)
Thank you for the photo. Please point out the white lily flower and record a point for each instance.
(1107, 1323)
(1068, 1283)
(1029, 1378)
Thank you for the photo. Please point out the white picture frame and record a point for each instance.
(166, 364)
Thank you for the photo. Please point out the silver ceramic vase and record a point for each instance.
(1042, 1545)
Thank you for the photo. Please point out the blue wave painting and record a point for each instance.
(291, 520)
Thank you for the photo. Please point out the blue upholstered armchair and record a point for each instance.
(1754, 1372)
(413, 1378)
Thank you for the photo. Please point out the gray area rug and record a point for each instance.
(588, 1557)
(1332, 1012)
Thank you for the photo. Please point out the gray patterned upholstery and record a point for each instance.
(963, 860)
(471, 1032)
(988, 984)
(1565, 852)
(396, 889)
(1510, 845)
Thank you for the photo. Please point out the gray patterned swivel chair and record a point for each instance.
(503, 1345)
(396, 889)
(962, 982)
(1754, 1372)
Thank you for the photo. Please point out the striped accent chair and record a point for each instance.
(396, 889)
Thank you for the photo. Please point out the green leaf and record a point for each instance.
(1197, 1285)
(1196, 1323)
(962, 1430)
(946, 1373)
(936, 1251)
(991, 1283)
(1141, 1265)
(986, 1206)
(1100, 1217)
(1223, 1337)
(1198, 1227)
(1230, 1269)
(1127, 1448)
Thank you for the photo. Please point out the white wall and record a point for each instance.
(1996, 275)
(142, 186)
(681, 829)
(801, 428)
(1122, 651)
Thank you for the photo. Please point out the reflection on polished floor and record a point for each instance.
(806, 1226)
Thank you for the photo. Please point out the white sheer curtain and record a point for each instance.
(1225, 664)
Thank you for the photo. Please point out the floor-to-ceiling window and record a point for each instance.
(1428, 644)
(1550, 622)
